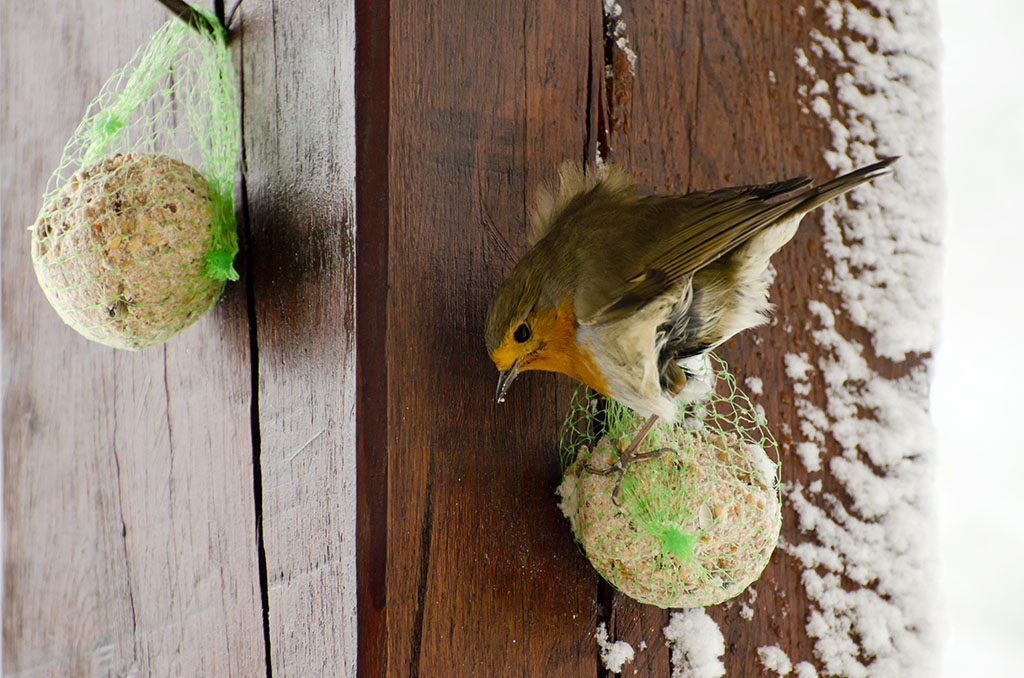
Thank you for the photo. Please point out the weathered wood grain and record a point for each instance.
(299, 135)
(128, 506)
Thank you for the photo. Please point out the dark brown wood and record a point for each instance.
(128, 507)
(485, 102)
(482, 575)
(372, 155)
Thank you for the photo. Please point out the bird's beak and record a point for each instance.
(505, 379)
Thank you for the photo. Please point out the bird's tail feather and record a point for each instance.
(836, 187)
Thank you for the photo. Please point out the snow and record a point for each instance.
(746, 611)
(773, 658)
(755, 385)
(614, 655)
(867, 553)
(867, 561)
(885, 268)
(697, 644)
(612, 13)
(813, 420)
(766, 467)
(797, 366)
(760, 412)
(809, 454)
(805, 670)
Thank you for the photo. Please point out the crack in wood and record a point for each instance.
(426, 534)
(124, 525)
(696, 105)
(588, 131)
(372, 128)
(604, 109)
(254, 361)
(167, 414)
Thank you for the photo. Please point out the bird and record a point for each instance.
(619, 286)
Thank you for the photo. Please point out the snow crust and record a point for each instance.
(697, 645)
(755, 385)
(867, 560)
(885, 238)
(805, 670)
(773, 658)
(613, 654)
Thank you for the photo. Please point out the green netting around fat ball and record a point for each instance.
(137, 235)
(692, 527)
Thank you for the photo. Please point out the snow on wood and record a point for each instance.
(868, 559)
(697, 645)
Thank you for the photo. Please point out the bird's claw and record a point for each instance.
(618, 468)
(605, 471)
(626, 457)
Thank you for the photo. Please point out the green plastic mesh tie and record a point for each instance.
(181, 75)
(694, 526)
(659, 514)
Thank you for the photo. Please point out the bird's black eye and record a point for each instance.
(522, 333)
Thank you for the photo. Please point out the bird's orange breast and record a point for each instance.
(556, 328)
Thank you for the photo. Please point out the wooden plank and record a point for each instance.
(127, 477)
(713, 103)
(695, 111)
(483, 100)
(299, 135)
(482, 575)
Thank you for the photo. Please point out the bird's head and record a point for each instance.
(526, 331)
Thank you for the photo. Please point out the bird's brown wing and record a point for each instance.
(707, 225)
(693, 230)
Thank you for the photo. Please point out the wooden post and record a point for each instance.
(297, 62)
(485, 101)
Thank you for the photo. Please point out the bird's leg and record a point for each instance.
(628, 456)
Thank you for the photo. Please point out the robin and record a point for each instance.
(618, 287)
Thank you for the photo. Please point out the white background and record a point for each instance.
(977, 401)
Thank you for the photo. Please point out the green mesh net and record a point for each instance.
(692, 527)
(136, 235)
